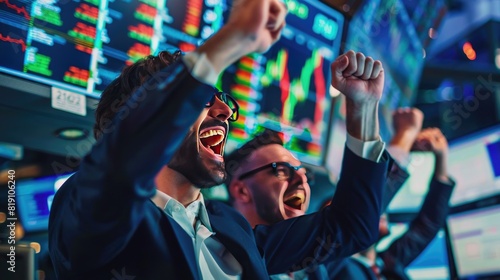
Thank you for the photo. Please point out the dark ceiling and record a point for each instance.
(461, 93)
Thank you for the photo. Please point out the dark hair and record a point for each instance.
(121, 88)
(234, 160)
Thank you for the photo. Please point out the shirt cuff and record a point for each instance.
(201, 68)
(399, 155)
(370, 150)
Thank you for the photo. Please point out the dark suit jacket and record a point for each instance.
(410, 245)
(351, 268)
(103, 224)
(422, 230)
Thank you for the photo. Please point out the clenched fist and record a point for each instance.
(360, 78)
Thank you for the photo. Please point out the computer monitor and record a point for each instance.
(412, 193)
(474, 238)
(34, 199)
(474, 163)
(431, 264)
(384, 31)
(287, 88)
(81, 46)
(426, 15)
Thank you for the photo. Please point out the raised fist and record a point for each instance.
(258, 22)
(407, 120)
(360, 78)
(433, 140)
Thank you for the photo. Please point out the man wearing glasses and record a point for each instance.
(134, 209)
(268, 185)
(272, 186)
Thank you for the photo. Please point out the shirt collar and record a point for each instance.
(161, 200)
(363, 259)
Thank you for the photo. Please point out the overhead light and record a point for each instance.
(72, 133)
(469, 51)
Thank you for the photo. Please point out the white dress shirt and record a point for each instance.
(400, 156)
(214, 261)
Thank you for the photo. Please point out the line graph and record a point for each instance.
(13, 40)
(295, 90)
(19, 10)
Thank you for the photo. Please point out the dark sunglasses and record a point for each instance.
(229, 101)
(283, 170)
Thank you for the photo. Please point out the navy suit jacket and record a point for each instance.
(409, 246)
(352, 269)
(103, 224)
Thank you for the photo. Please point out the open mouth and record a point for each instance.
(212, 139)
(295, 199)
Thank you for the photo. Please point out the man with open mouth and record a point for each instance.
(270, 185)
(134, 209)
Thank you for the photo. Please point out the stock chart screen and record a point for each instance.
(128, 35)
(15, 17)
(48, 42)
(287, 88)
(384, 30)
(425, 14)
(82, 45)
(187, 25)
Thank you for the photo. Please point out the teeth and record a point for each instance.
(297, 196)
(212, 132)
(217, 143)
(213, 138)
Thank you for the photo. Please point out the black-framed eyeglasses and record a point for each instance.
(229, 101)
(283, 170)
